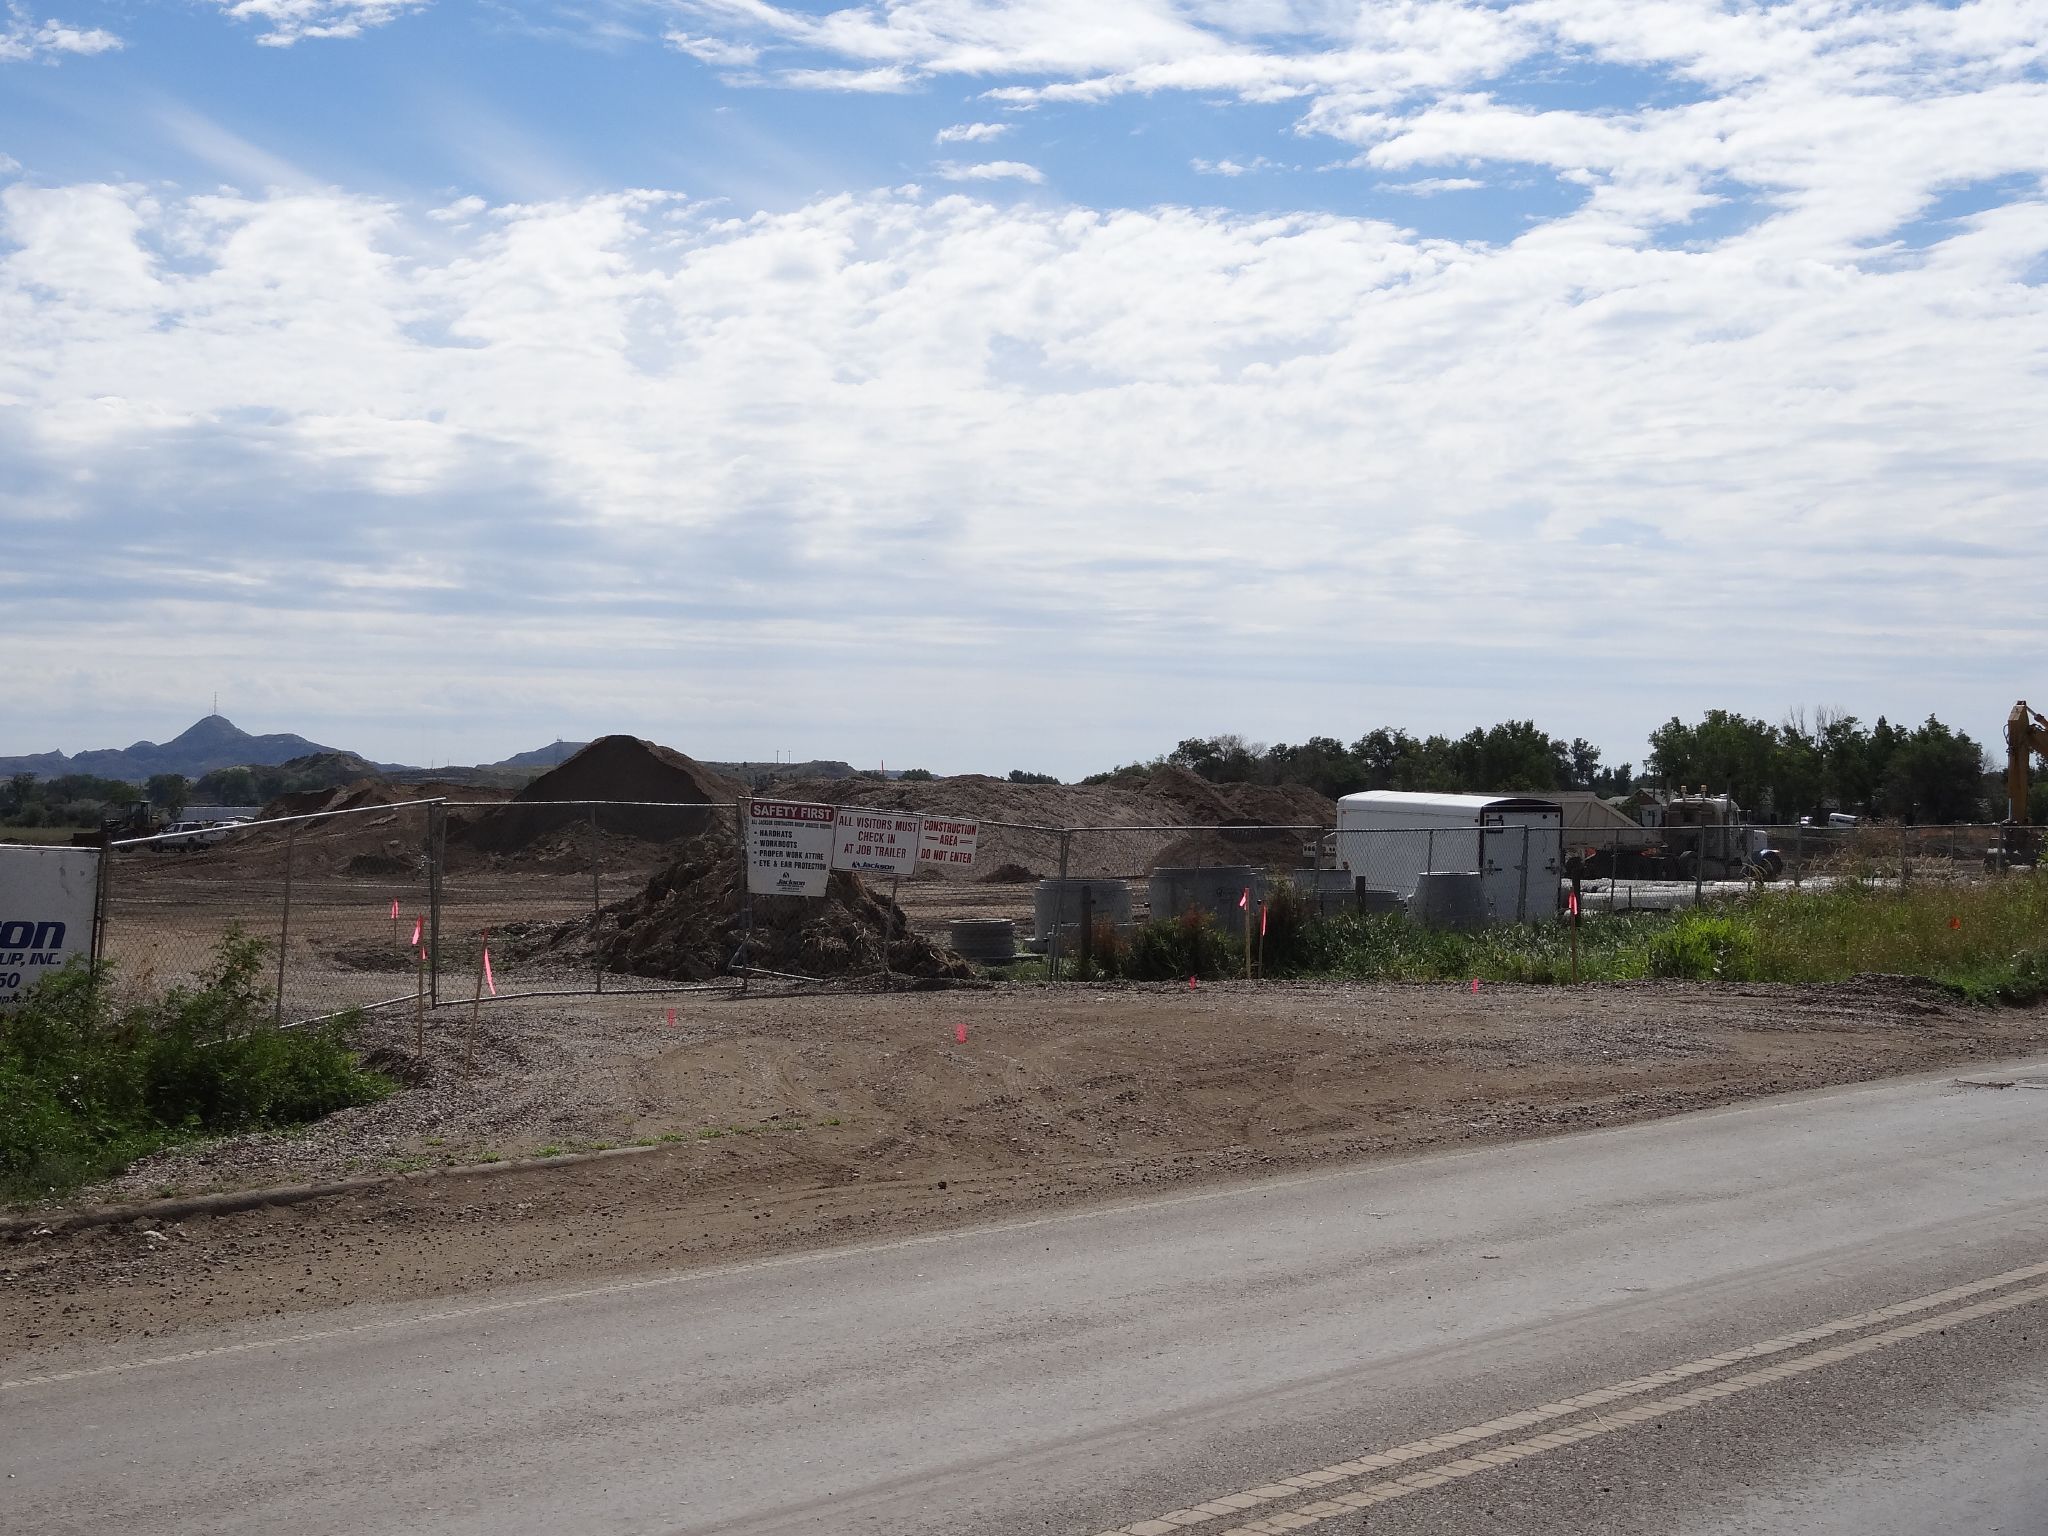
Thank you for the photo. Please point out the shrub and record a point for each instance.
(1701, 946)
(85, 1090)
(1174, 948)
(1109, 953)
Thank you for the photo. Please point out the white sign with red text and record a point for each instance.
(948, 843)
(789, 847)
(871, 842)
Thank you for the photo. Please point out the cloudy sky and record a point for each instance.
(987, 385)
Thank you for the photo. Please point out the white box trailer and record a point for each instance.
(1388, 837)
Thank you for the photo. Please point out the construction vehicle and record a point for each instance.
(2026, 733)
(1706, 836)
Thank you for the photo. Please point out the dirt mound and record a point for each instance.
(1171, 798)
(1222, 805)
(1233, 811)
(619, 768)
(686, 926)
(1031, 815)
(352, 796)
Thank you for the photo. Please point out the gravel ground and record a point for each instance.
(781, 1121)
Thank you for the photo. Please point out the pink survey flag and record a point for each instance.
(959, 1034)
(1475, 983)
(671, 1018)
(489, 980)
(1244, 900)
(1262, 919)
(394, 909)
(418, 927)
(1571, 902)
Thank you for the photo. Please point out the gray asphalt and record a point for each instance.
(1081, 1372)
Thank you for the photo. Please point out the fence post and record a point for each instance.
(1613, 869)
(284, 926)
(739, 817)
(1059, 908)
(1522, 897)
(101, 880)
(1087, 931)
(437, 854)
(1905, 857)
(889, 922)
(596, 899)
(1699, 866)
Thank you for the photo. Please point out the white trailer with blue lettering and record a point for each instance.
(1388, 837)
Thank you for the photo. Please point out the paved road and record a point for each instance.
(1822, 1313)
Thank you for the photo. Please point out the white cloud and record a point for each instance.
(1164, 422)
(888, 79)
(1229, 167)
(972, 133)
(1805, 104)
(288, 21)
(712, 50)
(1430, 186)
(990, 170)
(23, 38)
(1723, 325)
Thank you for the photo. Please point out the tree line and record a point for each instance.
(82, 799)
(1927, 773)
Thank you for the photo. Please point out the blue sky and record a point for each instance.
(1024, 384)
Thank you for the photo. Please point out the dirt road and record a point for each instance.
(805, 1120)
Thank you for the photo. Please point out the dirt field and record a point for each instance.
(808, 1120)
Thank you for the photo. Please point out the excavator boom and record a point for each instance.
(2026, 732)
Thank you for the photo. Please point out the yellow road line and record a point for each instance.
(1415, 1450)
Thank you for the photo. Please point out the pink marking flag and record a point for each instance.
(1262, 919)
(489, 980)
(394, 909)
(1191, 983)
(1571, 902)
(1475, 983)
(959, 1034)
(1955, 922)
(1244, 899)
(419, 925)
(671, 1018)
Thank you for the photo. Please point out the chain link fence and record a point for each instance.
(388, 905)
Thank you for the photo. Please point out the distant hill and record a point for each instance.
(214, 742)
(551, 756)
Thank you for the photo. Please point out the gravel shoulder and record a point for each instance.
(782, 1122)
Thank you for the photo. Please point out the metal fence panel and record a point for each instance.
(375, 905)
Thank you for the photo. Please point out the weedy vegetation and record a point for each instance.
(87, 1085)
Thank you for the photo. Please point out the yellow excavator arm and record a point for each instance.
(2026, 732)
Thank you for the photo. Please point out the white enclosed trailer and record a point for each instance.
(1388, 837)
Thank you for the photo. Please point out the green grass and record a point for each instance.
(41, 835)
(1988, 942)
(85, 1089)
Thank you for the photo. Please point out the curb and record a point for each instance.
(227, 1202)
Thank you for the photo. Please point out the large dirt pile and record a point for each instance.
(1171, 798)
(1020, 845)
(1233, 810)
(686, 926)
(618, 768)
